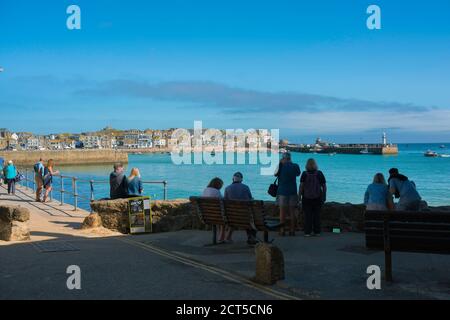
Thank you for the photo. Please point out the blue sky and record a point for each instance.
(310, 68)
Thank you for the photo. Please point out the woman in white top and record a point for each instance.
(213, 191)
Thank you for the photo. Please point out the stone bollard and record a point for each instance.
(92, 221)
(14, 223)
(269, 264)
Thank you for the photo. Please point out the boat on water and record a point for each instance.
(365, 151)
(332, 154)
(431, 154)
(442, 146)
(444, 155)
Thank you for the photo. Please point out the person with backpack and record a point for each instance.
(287, 197)
(10, 176)
(39, 178)
(312, 192)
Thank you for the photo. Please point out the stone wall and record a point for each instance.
(14, 223)
(174, 215)
(66, 157)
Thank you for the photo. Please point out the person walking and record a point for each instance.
(312, 192)
(239, 191)
(49, 172)
(10, 172)
(287, 197)
(377, 196)
(39, 178)
(134, 183)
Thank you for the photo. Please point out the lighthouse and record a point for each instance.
(384, 139)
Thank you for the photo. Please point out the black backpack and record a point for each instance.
(312, 187)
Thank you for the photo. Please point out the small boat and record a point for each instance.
(365, 151)
(431, 154)
(332, 154)
(442, 146)
(444, 155)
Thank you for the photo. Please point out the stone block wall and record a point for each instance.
(14, 223)
(174, 215)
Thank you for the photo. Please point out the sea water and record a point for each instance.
(347, 175)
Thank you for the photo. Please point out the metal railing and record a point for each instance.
(74, 187)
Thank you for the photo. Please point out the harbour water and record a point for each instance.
(347, 175)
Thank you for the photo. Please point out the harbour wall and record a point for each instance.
(66, 157)
(350, 149)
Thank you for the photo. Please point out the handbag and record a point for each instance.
(19, 177)
(273, 188)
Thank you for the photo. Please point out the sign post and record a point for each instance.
(140, 215)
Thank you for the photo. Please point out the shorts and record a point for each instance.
(287, 201)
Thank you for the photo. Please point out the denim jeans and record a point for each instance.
(11, 186)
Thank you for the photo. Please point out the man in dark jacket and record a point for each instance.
(239, 191)
(118, 183)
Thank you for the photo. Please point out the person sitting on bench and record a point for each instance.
(239, 191)
(213, 191)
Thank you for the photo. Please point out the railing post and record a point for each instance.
(26, 178)
(91, 183)
(33, 182)
(165, 189)
(62, 189)
(75, 193)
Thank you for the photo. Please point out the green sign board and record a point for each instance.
(140, 215)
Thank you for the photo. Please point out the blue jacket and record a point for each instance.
(10, 172)
(135, 187)
(287, 179)
(377, 193)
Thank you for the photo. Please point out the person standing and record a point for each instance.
(287, 197)
(10, 176)
(312, 192)
(239, 191)
(118, 183)
(377, 195)
(39, 178)
(134, 183)
(49, 172)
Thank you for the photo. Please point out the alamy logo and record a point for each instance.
(374, 280)
(374, 20)
(74, 20)
(231, 146)
(74, 280)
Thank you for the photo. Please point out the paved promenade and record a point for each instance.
(112, 266)
(182, 265)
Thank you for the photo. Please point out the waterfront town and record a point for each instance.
(109, 138)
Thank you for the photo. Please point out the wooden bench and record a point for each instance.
(236, 214)
(425, 232)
